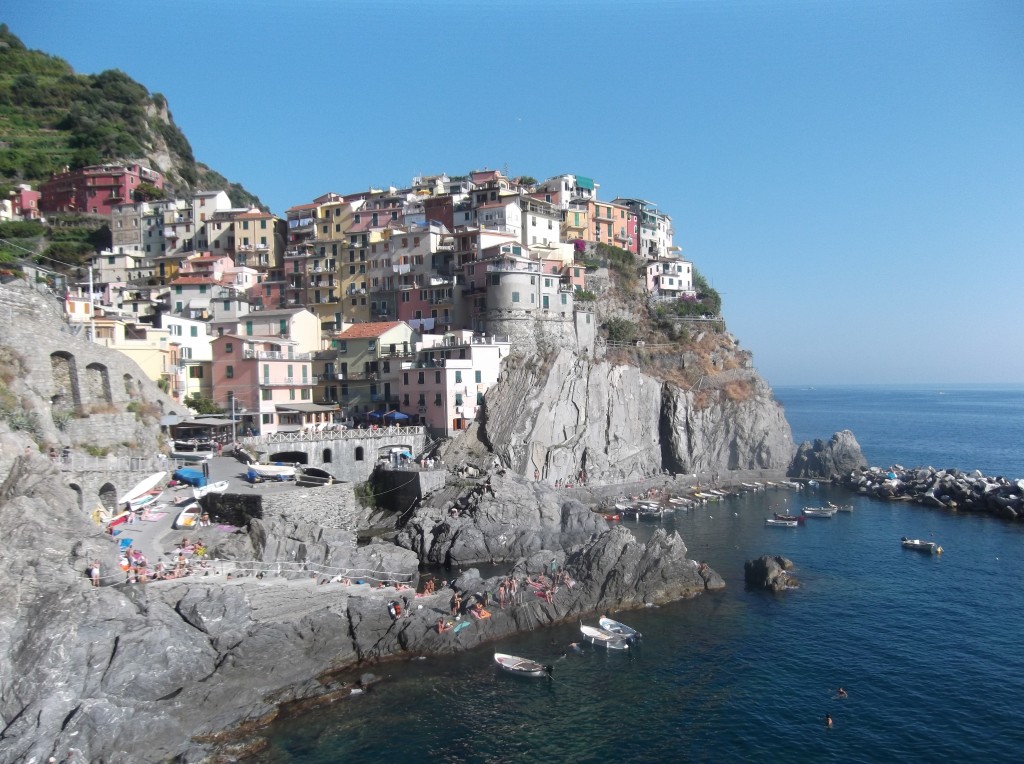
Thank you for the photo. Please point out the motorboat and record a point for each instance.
(619, 628)
(918, 545)
(189, 515)
(606, 639)
(820, 511)
(797, 518)
(219, 487)
(777, 523)
(841, 507)
(521, 666)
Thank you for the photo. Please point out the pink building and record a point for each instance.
(270, 382)
(25, 203)
(96, 189)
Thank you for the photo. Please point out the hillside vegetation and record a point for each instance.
(51, 117)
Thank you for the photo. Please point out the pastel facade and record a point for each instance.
(670, 278)
(96, 189)
(361, 368)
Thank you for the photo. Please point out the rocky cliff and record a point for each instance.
(558, 416)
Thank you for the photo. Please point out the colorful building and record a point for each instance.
(96, 189)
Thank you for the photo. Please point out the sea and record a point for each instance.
(929, 648)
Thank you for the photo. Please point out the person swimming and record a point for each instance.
(828, 720)
(841, 693)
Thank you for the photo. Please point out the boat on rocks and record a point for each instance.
(919, 545)
(777, 523)
(619, 628)
(521, 666)
(144, 488)
(820, 511)
(606, 639)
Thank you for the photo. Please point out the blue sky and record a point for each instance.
(847, 174)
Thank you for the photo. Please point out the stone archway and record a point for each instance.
(108, 497)
(97, 384)
(79, 497)
(289, 457)
(64, 372)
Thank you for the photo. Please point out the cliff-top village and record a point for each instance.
(385, 306)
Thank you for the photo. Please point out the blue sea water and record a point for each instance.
(928, 647)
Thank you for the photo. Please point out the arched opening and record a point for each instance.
(108, 497)
(97, 384)
(289, 457)
(327, 456)
(64, 372)
(359, 453)
(79, 498)
(129, 386)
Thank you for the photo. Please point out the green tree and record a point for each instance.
(202, 405)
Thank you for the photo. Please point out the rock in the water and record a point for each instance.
(828, 461)
(769, 572)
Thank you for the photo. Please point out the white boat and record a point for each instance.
(141, 502)
(841, 507)
(144, 487)
(219, 487)
(930, 547)
(781, 523)
(521, 666)
(189, 516)
(279, 471)
(619, 628)
(606, 639)
(820, 511)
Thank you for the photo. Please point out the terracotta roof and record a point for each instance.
(368, 330)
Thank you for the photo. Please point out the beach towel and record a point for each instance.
(154, 516)
(124, 544)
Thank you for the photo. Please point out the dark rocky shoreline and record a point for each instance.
(949, 489)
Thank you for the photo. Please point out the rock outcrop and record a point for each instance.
(953, 490)
(501, 519)
(565, 414)
(769, 572)
(828, 461)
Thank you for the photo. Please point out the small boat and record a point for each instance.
(193, 445)
(841, 507)
(189, 515)
(219, 487)
(819, 511)
(145, 486)
(616, 627)
(606, 639)
(521, 666)
(781, 523)
(929, 547)
(796, 518)
(272, 471)
(141, 502)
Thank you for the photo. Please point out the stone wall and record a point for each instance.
(87, 388)
(349, 457)
(400, 489)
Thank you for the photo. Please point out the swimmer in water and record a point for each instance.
(828, 720)
(841, 693)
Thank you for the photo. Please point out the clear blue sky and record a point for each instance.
(850, 175)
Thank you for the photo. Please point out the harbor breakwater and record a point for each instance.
(948, 489)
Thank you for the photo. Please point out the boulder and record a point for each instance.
(769, 572)
(828, 461)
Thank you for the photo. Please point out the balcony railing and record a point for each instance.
(290, 382)
(276, 355)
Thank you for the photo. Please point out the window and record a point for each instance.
(266, 394)
(564, 299)
(479, 376)
(248, 328)
(229, 372)
(291, 394)
(420, 378)
(458, 377)
(177, 290)
(327, 456)
(195, 372)
(359, 449)
(268, 419)
(283, 326)
(515, 297)
(229, 347)
(437, 377)
(305, 394)
(227, 305)
(371, 345)
(194, 331)
(437, 399)
(342, 346)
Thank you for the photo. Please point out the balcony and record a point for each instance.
(276, 355)
(289, 382)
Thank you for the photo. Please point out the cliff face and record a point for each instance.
(569, 414)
